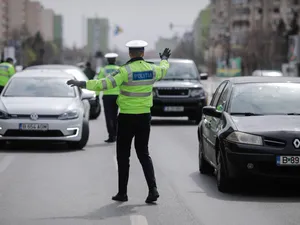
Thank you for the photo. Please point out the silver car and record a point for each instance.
(37, 105)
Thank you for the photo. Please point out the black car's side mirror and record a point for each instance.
(203, 76)
(211, 111)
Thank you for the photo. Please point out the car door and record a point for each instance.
(216, 123)
(209, 126)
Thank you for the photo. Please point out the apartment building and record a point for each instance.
(47, 24)
(4, 20)
(34, 12)
(237, 17)
(16, 15)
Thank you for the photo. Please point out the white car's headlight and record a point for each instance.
(198, 93)
(69, 115)
(4, 115)
(244, 138)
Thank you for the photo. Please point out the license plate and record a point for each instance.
(174, 109)
(288, 160)
(33, 126)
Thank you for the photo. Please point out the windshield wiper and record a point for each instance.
(293, 114)
(246, 114)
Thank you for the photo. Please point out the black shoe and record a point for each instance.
(152, 196)
(110, 140)
(120, 198)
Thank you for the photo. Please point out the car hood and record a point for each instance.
(263, 124)
(42, 106)
(178, 83)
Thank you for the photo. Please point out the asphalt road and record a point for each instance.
(55, 186)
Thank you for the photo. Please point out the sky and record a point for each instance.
(140, 19)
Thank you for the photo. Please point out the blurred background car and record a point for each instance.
(180, 93)
(267, 73)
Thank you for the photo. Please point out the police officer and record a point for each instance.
(7, 70)
(88, 71)
(136, 79)
(110, 98)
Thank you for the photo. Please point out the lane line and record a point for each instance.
(5, 162)
(138, 220)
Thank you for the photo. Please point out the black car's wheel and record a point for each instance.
(204, 166)
(78, 145)
(95, 112)
(223, 182)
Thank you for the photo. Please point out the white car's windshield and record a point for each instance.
(78, 74)
(39, 87)
(266, 98)
(181, 71)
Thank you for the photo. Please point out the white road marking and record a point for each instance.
(116, 162)
(138, 220)
(5, 162)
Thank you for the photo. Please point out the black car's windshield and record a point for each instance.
(265, 98)
(181, 71)
(39, 87)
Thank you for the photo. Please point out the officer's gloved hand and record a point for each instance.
(72, 83)
(166, 54)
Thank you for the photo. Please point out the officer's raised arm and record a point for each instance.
(164, 65)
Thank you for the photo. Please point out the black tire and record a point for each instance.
(204, 166)
(94, 114)
(224, 184)
(79, 145)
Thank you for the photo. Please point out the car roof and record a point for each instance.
(255, 79)
(172, 60)
(53, 66)
(43, 73)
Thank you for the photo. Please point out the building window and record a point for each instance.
(276, 10)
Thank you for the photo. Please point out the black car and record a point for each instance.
(251, 127)
(180, 93)
(95, 110)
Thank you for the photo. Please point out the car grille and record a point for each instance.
(21, 133)
(274, 143)
(173, 92)
(21, 116)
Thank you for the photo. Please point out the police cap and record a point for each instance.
(136, 44)
(111, 55)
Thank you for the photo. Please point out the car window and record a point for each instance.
(39, 87)
(265, 98)
(181, 71)
(222, 100)
(217, 94)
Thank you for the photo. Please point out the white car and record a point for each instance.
(37, 105)
(95, 109)
(267, 73)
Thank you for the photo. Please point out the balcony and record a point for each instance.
(258, 3)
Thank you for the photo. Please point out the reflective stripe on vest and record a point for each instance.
(138, 83)
(110, 77)
(135, 94)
